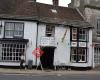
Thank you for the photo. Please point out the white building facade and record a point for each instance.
(64, 45)
(60, 32)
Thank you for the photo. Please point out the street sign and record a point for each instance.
(38, 52)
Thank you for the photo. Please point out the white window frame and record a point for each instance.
(50, 31)
(73, 54)
(79, 54)
(83, 34)
(11, 28)
(12, 51)
(74, 33)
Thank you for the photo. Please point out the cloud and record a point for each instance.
(61, 2)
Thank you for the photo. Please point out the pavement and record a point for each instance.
(45, 72)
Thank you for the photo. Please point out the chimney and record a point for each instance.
(55, 2)
(34, 0)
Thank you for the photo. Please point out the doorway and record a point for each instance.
(47, 58)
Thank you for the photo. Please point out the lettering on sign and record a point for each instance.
(45, 41)
(82, 44)
(74, 44)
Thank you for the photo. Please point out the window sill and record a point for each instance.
(78, 62)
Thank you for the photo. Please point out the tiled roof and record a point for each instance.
(28, 10)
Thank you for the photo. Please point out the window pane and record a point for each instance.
(18, 26)
(73, 54)
(74, 34)
(13, 29)
(18, 33)
(82, 34)
(9, 34)
(9, 26)
(11, 51)
(82, 55)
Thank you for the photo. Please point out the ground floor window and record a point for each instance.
(97, 55)
(11, 51)
(78, 54)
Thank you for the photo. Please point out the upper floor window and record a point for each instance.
(79, 34)
(82, 34)
(14, 30)
(98, 28)
(50, 31)
(74, 34)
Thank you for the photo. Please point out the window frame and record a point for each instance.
(50, 31)
(78, 55)
(78, 35)
(78, 40)
(11, 52)
(13, 30)
(74, 34)
(98, 28)
(83, 35)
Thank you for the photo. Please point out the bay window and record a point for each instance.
(79, 36)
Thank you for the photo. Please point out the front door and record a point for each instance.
(48, 57)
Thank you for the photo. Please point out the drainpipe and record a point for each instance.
(36, 41)
(93, 57)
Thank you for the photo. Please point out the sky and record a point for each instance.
(61, 2)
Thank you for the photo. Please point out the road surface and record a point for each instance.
(4, 76)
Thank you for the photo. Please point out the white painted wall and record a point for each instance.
(91, 52)
(62, 52)
(30, 33)
(41, 33)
